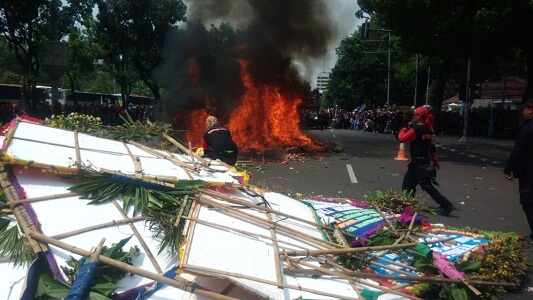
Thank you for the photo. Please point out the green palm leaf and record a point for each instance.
(160, 203)
(15, 246)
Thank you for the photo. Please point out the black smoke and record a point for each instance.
(272, 34)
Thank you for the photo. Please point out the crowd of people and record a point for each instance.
(379, 120)
(108, 113)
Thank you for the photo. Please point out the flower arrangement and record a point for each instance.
(74, 121)
(129, 130)
(396, 202)
(503, 259)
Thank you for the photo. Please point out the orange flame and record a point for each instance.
(265, 119)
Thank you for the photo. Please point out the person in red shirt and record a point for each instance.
(422, 170)
(218, 143)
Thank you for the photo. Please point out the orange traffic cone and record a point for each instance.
(401, 153)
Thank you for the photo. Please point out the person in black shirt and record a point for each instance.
(520, 164)
(218, 143)
(422, 170)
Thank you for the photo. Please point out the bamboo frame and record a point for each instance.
(70, 147)
(249, 233)
(137, 166)
(165, 156)
(94, 256)
(136, 162)
(177, 282)
(275, 248)
(389, 268)
(301, 271)
(408, 277)
(189, 229)
(26, 225)
(261, 280)
(398, 264)
(236, 200)
(403, 236)
(184, 149)
(19, 211)
(263, 222)
(139, 237)
(42, 198)
(77, 149)
(382, 215)
(337, 233)
(419, 234)
(10, 135)
(358, 280)
(98, 226)
(360, 249)
(182, 208)
(192, 156)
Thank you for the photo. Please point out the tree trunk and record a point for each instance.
(528, 93)
(439, 85)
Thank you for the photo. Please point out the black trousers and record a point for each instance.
(414, 176)
(526, 199)
(228, 158)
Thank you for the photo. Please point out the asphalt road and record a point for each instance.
(470, 176)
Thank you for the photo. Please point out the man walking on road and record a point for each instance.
(422, 170)
(520, 164)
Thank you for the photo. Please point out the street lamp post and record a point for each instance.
(416, 80)
(388, 71)
(366, 36)
(464, 138)
(427, 87)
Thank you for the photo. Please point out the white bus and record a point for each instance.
(47, 94)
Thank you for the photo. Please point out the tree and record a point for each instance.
(28, 24)
(22, 23)
(511, 25)
(82, 58)
(360, 74)
(355, 79)
(450, 32)
(132, 34)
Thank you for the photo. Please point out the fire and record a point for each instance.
(265, 119)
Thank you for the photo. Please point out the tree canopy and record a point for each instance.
(452, 31)
(132, 34)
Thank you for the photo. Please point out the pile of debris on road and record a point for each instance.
(81, 212)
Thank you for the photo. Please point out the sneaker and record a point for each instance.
(529, 240)
(445, 210)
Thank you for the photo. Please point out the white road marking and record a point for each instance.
(351, 173)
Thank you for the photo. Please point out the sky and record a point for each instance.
(337, 15)
(316, 24)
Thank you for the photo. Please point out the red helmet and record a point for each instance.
(422, 111)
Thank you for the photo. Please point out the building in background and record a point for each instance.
(505, 93)
(322, 81)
